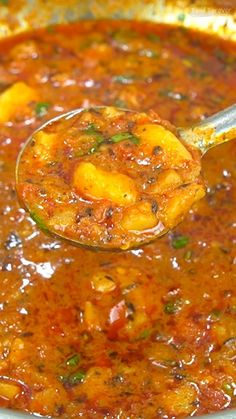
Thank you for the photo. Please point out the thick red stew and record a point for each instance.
(147, 333)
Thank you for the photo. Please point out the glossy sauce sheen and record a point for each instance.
(146, 333)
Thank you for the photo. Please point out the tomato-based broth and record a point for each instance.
(144, 333)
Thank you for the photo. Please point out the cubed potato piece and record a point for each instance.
(126, 277)
(180, 203)
(102, 282)
(43, 145)
(9, 390)
(97, 386)
(17, 352)
(167, 180)
(111, 112)
(224, 329)
(139, 217)
(45, 401)
(15, 98)
(158, 136)
(96, 183)
(180, 401)
(91, 316)
(161, 354)
(139, 322)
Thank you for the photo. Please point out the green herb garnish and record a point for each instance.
(72, 379)
(150, 53)
(123, 79)
(4, 2)
(123, 136)
(144, 334)
(73, 360)
(50, 28)
(179, 242)
(172, 307)
(41, 109)
(92, 131)
(153, 37)
(76, 377)
(120, 103)
(215, 315)
(181, 17)
(173, 95)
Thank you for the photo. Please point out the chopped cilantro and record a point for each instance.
(90, 129)
(123, 79)
(119, 103)
(144, 334)
(93, 131)
(123, 136)
(76, 377)
(179, 242)
(173, 95)
(41, 109)
(215, 315)
(150, 53)
(153, 37)
(73, 360)
(181, 17)
(172, 307)
(51, 28)
(72, 379)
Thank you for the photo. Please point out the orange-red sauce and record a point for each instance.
(146, 333)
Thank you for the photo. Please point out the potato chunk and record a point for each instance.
(15, 98)
(158, 136)
(180, 401)
(179, 204)
(44, 144)
(168, 179)
(139, 217)
(103, 283)
(96, 183)
(91, 316)
(9, 390)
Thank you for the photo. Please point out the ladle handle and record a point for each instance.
(216, 129)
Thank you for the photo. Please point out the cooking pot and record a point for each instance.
(218, 16)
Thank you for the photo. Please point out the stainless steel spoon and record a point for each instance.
(215, 130)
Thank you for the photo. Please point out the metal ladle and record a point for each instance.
(215, 130)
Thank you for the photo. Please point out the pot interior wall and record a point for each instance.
(208, 15)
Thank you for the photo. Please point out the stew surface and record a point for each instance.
(108, 178)
(141, 334)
